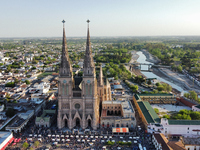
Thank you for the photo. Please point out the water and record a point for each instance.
(142, 59)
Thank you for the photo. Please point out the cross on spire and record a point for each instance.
(88, 21)
(63, 22)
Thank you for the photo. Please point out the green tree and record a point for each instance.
(36, 144)
(156, 110)
(10, 112)
(193, 95)
(179, 68)
(27, 81)
(149, 82)
(166, 116)
(25, 145)
(10, 84)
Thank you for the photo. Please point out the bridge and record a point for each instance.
(138, 65)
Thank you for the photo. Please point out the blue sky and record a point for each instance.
(42, 18)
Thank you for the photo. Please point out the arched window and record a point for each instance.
(90, 89)
(63, 89)
(67, 91)
(86, 89)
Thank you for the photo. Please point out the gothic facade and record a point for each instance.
(79, 98)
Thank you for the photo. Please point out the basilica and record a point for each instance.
(80, 98)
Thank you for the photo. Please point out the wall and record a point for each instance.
(186, 102)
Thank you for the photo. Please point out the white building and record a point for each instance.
(196, 108)
(40, 88)
(186, 128)
(5, 139)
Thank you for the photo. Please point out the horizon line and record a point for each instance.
(104, 36)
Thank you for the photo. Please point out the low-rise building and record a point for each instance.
(118, 114)
(191, 143)
(162, 143)
(196, 108)
(46, 118)
(158, 98)
(19, 121)
(5, 139)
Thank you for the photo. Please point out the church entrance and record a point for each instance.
(66, 123)
(77, 122)
(89, 123)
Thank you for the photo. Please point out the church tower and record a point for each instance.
(89, 85)
(65, 85)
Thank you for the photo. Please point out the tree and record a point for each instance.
(166, 116)
(36, 144)
(10, 84)
(179, 68)
(156, 110)
(149, 82)
(160, 88)
(25, 145)
(157, 84)
(10, 112)
(27, 81)
(193, 95)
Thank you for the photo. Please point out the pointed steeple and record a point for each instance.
(101, 76)
(88, 66)
(65, 66)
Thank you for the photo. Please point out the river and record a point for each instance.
(142, 59)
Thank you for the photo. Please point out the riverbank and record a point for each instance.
(150, 58)
(134, 57)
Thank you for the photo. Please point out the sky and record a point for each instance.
(42, 18)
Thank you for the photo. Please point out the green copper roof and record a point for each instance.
(137, 97)
(184, 122)
(197, 106)
(159, 94)
(148, 112)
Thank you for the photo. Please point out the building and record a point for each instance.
(186, 128)
(117, 114)
(174, 128)
(19, 121)
(191, 143)
(46, 118)
(196, 108)
(5, 139)
(158, 98)
(162, 143)
(145, 111)
(79, 97)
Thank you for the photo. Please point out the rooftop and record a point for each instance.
(183, 122)
(4, 135)
(191, 141)
(197, 106)
(163, 141)
(159, 94)
(148, 112)
(126, 105)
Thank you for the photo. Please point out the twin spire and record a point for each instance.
(65, 66)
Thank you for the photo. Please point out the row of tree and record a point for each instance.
(184, 115)
(192, 95)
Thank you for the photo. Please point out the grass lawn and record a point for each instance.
(45, 74)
